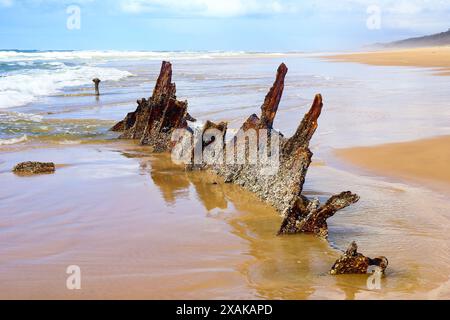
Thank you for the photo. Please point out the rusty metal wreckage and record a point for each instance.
(156, 118)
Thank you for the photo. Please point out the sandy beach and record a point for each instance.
(424, 161)
(437, 58)
(142, 228)
(203, 154)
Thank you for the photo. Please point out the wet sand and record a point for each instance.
(437, 58)
(126, 224)
(425, 161)
(141, 227)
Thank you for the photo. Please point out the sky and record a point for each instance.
(216, 25)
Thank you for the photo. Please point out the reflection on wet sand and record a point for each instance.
(141, 227)
(281, 267)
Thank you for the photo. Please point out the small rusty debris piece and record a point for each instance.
(34, 167)
(155, 120)
(353, 262)
(190, 118)
(308, 216)
(97, 83)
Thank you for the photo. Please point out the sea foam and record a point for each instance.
(110, 55)
(27, 75)
(20, 88)
(13, 140)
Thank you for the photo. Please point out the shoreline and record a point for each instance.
(437, 58)
(421, 161)
(137, 212)
(135, 207)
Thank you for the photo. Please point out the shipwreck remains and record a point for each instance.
(156, 118)
(353, 262)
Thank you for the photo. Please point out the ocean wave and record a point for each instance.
(18, 89)
(120, 55)
(19, 116)
(70, 142)
(13, 140)
(11, 66)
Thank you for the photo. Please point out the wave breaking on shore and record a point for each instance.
(41, 82)
(11, 141)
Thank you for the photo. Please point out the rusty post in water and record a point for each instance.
(96, 82)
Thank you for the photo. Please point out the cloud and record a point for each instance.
(416, 15)
(206, 8)
(6, 3)
(419, 16)
(10, 3)
(395, 13)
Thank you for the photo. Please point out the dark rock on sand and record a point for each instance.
(34, 167)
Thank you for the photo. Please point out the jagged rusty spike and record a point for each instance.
(270, 106)
(164, 86)
(306, 129)
(271, 102)
(352, 262)
(155, 118)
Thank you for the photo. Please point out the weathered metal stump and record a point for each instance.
(97, 84)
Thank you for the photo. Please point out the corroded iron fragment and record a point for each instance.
(308, 216)
(353, 262)
(190, 118)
